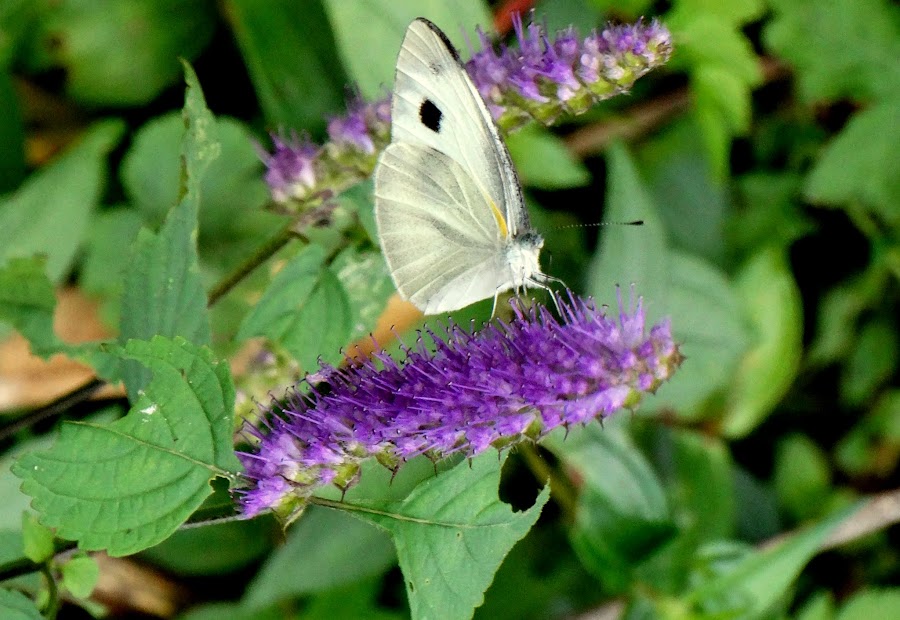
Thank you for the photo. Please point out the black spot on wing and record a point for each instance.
(431, 116)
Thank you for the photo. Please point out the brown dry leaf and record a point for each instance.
(28, 381)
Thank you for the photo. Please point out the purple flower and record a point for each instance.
(543, 78)
(508, 383)
(290, 169)
(546, 78)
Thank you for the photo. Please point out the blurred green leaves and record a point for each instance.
(50, 214)
(368, 34)
(289, 50)
(103, 46)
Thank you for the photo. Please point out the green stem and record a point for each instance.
(258, 258)
(53, 602)
(561, 489)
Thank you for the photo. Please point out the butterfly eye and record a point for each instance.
(430, 115)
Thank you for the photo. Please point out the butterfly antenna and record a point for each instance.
(596, 224)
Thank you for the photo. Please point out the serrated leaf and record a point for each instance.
(37, 539)
(128, 485)
(163, 293)
(755, 583)
(858, 165)
(296, 95)
(843, 48)
(325, 549)
(17, 606)
(305, 309)
(771, 300)
(50, 213)
(378, 28)
(80, 575)
(104, 47)
(708, 40)
(451, 533)
(543, 160)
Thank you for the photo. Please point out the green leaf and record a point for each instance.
(771, 299)
(103, 48)
(845, 48)
(872, 447)
(735, 12)
(703, 487)
(232, 611)
(872, 603)
(872, 361)
(622, 516)
(214, 548)
(378, 28)
(543, 160)
(112, 233)
(367, 282)
(16, 17)
(708, 320)
(752, 585)
(325, 549)
(305, 309)
(128, 485)
(678, 173)
(163, 293)
(27, 302)
(839, 311)
(298, 94)
(37, 539)
(630, 256)
(719, 89)
(451, 533)
(802, 476)
(705, 313)
(50, 213)
(17, 606)
(770, 212)
(80, 575)
(232, 183)
(12, 133)
(358, 601)
(819, 607)
(857, 166)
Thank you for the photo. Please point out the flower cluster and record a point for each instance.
(510, 382)
(545, 79)
(541, 79)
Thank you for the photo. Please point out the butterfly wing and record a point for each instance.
(439, 237)
(436, 105)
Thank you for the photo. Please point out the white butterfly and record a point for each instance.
(448, 205)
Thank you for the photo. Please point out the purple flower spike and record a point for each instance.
(546, 77)
(543, 78)
(508, 383)
(291, 169)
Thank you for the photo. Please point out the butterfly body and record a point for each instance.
(449, 208)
